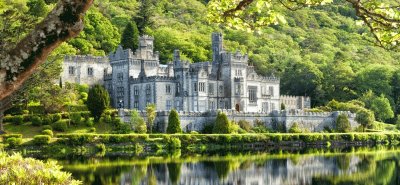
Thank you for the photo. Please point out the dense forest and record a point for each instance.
(322, 52)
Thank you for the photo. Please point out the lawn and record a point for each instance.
(29, 131)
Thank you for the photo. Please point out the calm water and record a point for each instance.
(355, 167)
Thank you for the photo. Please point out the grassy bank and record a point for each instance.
(200, 142)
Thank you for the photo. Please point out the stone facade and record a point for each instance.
(196, 121)
(228, 82)
(85, 69)
(295, 102)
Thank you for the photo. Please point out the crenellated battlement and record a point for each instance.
(151, 79)
(85, 58)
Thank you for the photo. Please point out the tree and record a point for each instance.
(37, 8)
(342, 123)
(174, 124)
(98, 100)
(382, 18)
(151, 116)
(143, 18)
(365, 118)
(137, 123)
(222, 124)
(295, 128)
(381, 107)
(130, 37)
(283, 107)
(20, 61)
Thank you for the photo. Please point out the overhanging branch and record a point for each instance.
(65, 21)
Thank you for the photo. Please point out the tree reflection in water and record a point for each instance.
(361, 167)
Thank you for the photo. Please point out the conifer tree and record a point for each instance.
(130, 37)
(222, 124)
(342, 123)
(98, 100)
(144, 15)
(174, 124)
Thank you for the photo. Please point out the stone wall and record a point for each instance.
(196, 121)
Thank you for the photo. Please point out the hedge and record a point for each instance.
(6, 136)
(41, 139)
(226, 139)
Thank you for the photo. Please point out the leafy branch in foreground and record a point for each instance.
(382, 18)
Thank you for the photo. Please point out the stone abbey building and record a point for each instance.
(135, 79)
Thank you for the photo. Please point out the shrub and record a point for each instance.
(174, 143)
(76, 118)
(92, 129)
(47, 127)
(295, 128)
(107, 118)
(48, 132)
(194, 132)
(13, 142)
(56, 117)
(222, 124)
(36, 121)
(342, 123)
(60, 126)
(174, 124)
(17, 170)
(100, 147)
(138, 123)
(41, 139)
(8, 119)
(207, 129)
(6, 136)
(18, 119)
(245, 125)
(121, 127)
(89, 122)
(46, 120)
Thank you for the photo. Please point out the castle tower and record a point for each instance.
(216, 39)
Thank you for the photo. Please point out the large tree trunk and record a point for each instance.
(18, 64)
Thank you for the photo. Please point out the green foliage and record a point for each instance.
(13, 142)
(121, 127)
(343, 123)
(382, 108)
(245, 125)
(174, 171)
(130, 37)
(47, 127)
(41, 139)
(174, 124)
(295, 128)
(92, 129)
(222, 124)
(60, 126)
(75, 118)
(48, 132)
(37, 8)
(18, 119)
(56, 117)
(283, 107)
(151, 116)
(365, 118)
(36, 121)
(174, 143)
(137, 122)
(144, 16)
(98, 100)
(16, 170)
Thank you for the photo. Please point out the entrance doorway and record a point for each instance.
(237, 107)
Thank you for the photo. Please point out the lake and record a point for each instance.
(349, 166)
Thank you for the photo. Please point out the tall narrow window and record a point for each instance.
(195, 87)
(71, 70)
(178, 88)
(252, 94)
(271, 90)
(211, 89)
(148, 89)
(136, 90)
(168, 89)
(202, 87)
(169, 105)
(90, 71)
